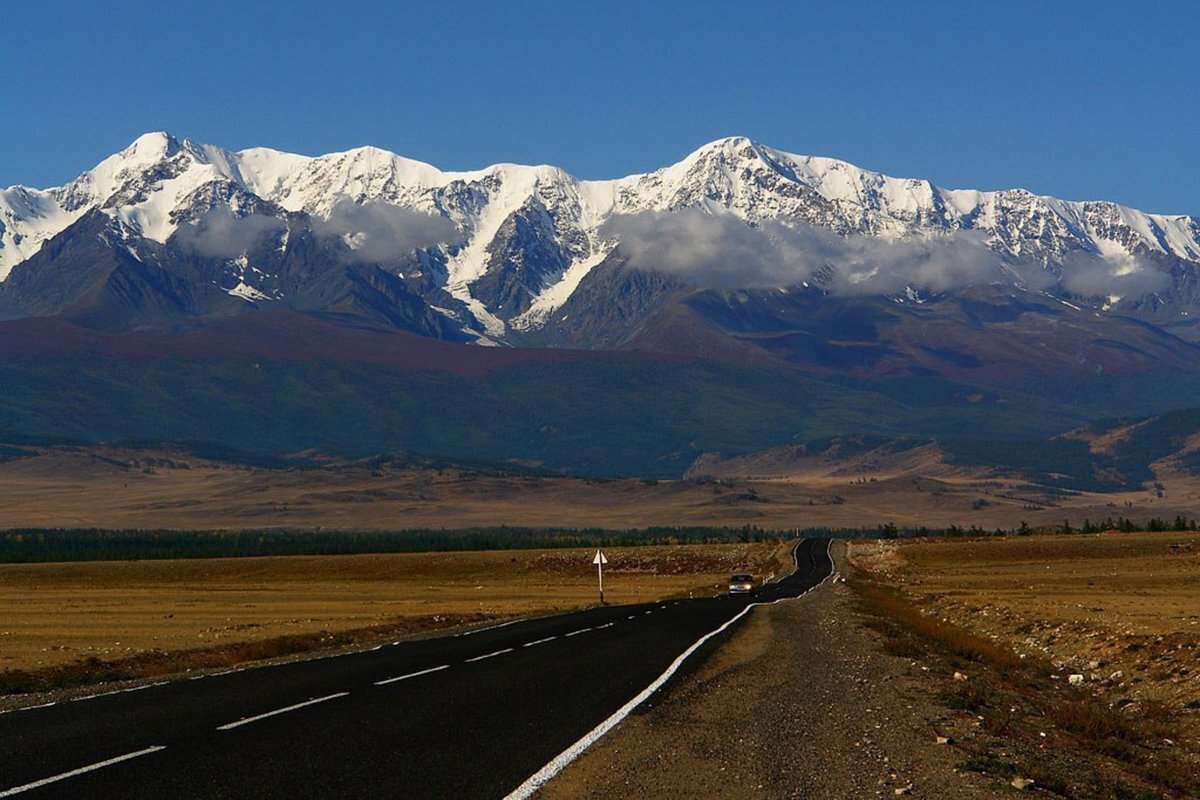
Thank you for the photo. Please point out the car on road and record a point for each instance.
(741, 583)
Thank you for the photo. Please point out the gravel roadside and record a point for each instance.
(801, 702)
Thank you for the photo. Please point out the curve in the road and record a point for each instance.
(563, 759)
(470, 715)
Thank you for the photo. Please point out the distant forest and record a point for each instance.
(88, 544)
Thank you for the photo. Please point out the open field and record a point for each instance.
(1126, 600)
(1114, 617)
(59, 614)
(123, 488)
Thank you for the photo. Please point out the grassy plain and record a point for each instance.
(118, 488)
(62, 614)
(1074, 598)
(1094, 638)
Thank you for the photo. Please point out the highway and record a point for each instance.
(473, 715)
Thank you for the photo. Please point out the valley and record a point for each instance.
(122, 488)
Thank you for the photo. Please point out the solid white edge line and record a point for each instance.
(493, 627)
(118, 691)
(248, 720)
(412, 675)
(80, 771)
(489, 655)
(560, 762)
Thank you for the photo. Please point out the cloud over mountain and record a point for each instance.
(720, 251)
(381, 232)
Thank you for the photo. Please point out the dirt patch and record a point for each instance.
(801, 702)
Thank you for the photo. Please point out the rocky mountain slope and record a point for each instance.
(738, 251)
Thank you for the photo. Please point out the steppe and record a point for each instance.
(122, 488)
(156, 616)
(1121, 609)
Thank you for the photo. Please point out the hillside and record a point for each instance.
(738, 252)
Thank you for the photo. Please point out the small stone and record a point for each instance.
(958, 676)
(1075, 680)
(903, 790)
(943, 740)
(1021, 784)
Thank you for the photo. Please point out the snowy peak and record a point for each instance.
(314, 185)
(528, 236)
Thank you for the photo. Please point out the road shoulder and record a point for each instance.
(801, 701)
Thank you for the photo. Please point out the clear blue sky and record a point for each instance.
(1081, 100)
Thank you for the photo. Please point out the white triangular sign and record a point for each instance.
(599, 559)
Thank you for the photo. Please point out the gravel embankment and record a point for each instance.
(801, 702)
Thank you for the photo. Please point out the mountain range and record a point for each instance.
(739, 255)
(738, 249)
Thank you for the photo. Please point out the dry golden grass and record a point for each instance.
(1120, 610)
(1135, 583)
(1091, 604)
(59, 614)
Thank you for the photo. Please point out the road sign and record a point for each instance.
(600, 561)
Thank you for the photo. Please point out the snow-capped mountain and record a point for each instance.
(506, 252)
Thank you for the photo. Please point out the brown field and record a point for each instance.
(1121, 610)
(116, 488)
(63, 613)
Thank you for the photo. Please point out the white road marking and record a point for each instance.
(576, 633)
(117, 691)
(648, 612)
(632, 616)
(542, 776)
(609, 625)
(491, 627)
(540, 641)
(248, 720)
(489, 655)
(80, 771)
(411, 675)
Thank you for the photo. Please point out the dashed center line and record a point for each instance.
(576, 633)
(411, 675)
(540, 641)
(609, 625)
(80, 771)
(489, 655)
(248, 720)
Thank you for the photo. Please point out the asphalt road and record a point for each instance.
(472, 715)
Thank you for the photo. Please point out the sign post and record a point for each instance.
(600, 561)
